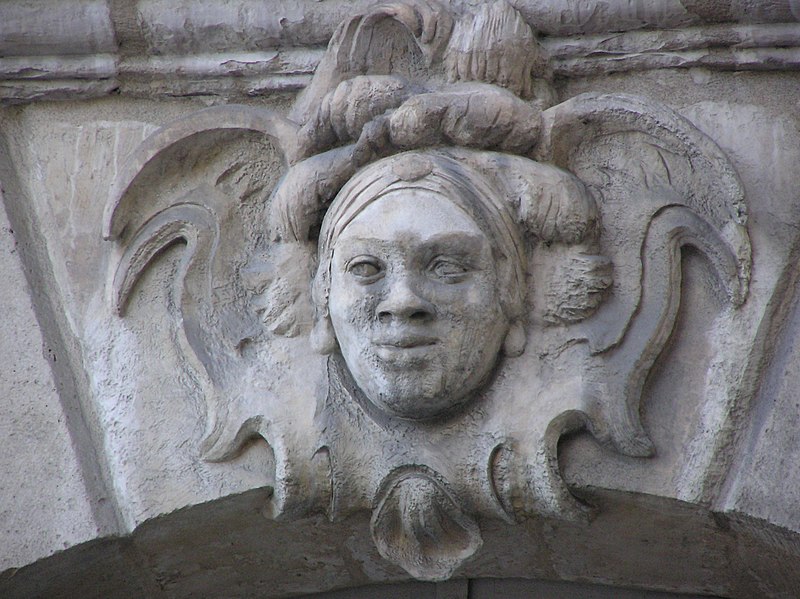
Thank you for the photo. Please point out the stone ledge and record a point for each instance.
(223, 548)
(238, 49)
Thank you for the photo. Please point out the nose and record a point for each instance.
(402, 302)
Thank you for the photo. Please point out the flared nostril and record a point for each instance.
(415, 316)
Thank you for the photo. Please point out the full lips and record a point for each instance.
(406, 341)
(405, 353)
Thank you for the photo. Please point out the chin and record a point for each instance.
(415, 400)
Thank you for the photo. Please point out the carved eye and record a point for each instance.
(366, 270)
(448, 270)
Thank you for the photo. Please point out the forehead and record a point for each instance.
(410, 213)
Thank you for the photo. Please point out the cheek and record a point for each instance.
(351, 306)
(469, 302)
(361, 310)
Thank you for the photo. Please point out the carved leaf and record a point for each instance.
(660, 184)
(156, 203)
(620, 374)
(196, 226)
(185, 140)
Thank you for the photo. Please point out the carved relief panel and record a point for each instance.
(452, 272)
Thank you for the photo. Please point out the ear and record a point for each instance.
(514, 343)
(323, 338)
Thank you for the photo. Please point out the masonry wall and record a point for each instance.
(102, 484)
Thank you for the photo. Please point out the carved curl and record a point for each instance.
(550, 204)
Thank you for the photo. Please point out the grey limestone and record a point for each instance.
(459, 299)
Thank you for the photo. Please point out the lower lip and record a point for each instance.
(404, 356)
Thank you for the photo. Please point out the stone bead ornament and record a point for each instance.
(451, 274)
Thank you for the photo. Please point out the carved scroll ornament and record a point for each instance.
(451, 274)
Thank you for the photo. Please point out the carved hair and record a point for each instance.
(508, 197)
(478, 138)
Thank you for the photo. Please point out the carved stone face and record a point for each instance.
(414, 303)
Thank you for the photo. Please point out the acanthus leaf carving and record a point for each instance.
(670, 186)
(479, 274)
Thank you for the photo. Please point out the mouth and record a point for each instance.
(406, 342)
(406, 352)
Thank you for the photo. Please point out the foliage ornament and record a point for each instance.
(452, 272)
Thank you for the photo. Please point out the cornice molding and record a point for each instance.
(153, 48)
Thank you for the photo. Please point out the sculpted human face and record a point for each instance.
(414, 303)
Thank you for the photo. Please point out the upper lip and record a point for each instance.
(405, 341)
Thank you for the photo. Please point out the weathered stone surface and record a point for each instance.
(63, 191)
(45, 504)
(593, 382)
